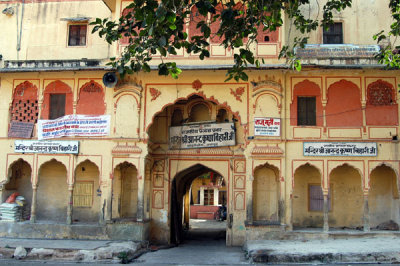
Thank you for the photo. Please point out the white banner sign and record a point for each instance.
(74, 125)
(47, 146)
(202, 136)
(267, 126)
(340, 149)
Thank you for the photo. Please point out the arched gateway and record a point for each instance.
(193, 152)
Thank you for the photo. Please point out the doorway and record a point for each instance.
(198, 206)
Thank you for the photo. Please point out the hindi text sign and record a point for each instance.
(340, 149)
(20, 130)
(47, 146)
(267, 126)
(205, 135)
(74, 125)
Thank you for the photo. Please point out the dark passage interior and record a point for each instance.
(198, 206)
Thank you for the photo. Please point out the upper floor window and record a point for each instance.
(77, 35)
(306, 111)
(334, 34)
(57, 106)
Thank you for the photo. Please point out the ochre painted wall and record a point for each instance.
(302, 216)
(52, 193)
(347, 198)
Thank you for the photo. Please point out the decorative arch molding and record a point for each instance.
(65, 161)
(275, 96)
(274, 165)
(344, 107)
(128, 88)
(357, 165)
(318, 165)
(267, 81)
(127, 93)
(10, 165)
(57, 87)
(267, 86)
(12, 158)
(394, 165)
(94, 159)
(306, 88)
(305, 83)
(89, 93)
(117, 161)
(205, 98)
(381, 105)
(343, 82)
(195, 102)
(19, 90)
(381, 85)
(180, 167)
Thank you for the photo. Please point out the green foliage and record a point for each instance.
(158, 28)
(123, 256)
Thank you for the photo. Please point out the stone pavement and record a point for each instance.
(206, 246)
(381, 249)
(68, 250)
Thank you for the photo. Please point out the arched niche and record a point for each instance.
(266, 191)
(343, 108)
(383, 197)
(199, 112)
(307, 204)
(267, 105)
(91, 99)
(126, 116)
(52, 192)
(347, 197)
(19, 180)
(125, 191)
(87, 193)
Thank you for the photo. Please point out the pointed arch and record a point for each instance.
(347, 189)
(306, 88)
(91, 99)
(343, 107)
(307, 177)
(24, 106)
(381, 108)
(52, 191)
(236, 115)
(266, 192)
(57, 87)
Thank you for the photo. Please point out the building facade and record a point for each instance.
(311, 149)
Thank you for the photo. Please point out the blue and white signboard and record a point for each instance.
(340, 149)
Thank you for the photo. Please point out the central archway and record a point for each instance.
(182, 197)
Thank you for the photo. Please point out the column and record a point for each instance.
(202, 196)
(33, 204)
(216, 196)
(367, 227)
(249, 200)
(141, 180)
(186, 213)
(326, 213)
(70, 203)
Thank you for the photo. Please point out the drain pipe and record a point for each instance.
(19, 27)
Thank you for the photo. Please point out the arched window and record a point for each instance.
(24, 106)
(199, 112)
(57, 100)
